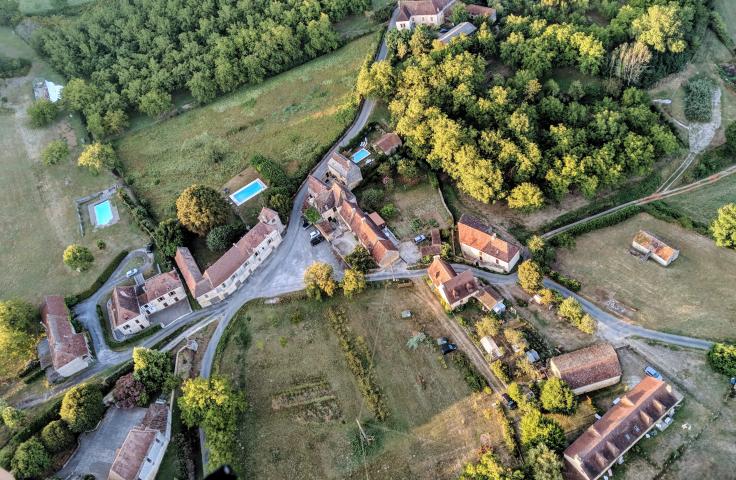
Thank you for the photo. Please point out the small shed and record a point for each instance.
(532, 356)
(406, 314)
(491, 348)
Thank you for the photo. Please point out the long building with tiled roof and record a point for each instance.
(588, 369)
(68, 349)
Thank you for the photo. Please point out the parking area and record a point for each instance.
(97, 448)
(171, 314)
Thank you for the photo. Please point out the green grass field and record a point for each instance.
(291, 118)
(702, 205)
(38, 219)
(434, 424)
(690, 297)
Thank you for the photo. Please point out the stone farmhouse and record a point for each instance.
(454, 289)
(340, 213)
(650, 403)
(234, 267)
(654, 248)
(588, 369)
(144, 447)
(130, 306)
(68, 352)
(435, 12)
(485, 248)
(344, 170)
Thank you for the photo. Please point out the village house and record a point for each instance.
(140, 456)
(340, 211)
(483, 247)
(67, 349)
(475, 11)
(344, 170)
(593, 453)
(234, 267)
(491, 300)
(454, 289)
(388, 143)
(588, 369)
(435, 245)
(654, 248)
(422, 12)
(130, 306)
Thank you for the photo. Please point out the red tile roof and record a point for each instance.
(480, 10)
(461, 287)
(654, 245)
(197, 284)
(621, 427)
(367, 233)
(376, 218)
(489, 298)
(159, 285)
(388, 143)
(440, 271)
(65, 345)
(474, 233)
(137, 444)
(588, 365)
(125, 304)
(268, 216)
(238, 254)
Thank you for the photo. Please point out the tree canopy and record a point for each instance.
(153, 369)
(200, 208)
(82, 407)
(168, 236)
(78, 257)
(318, 279)
(19, 329)
(557, 397)
(724, 226)
(353, 282)
(722, 357)
(98, 156)
(30, 460)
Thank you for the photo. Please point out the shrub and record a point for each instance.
(57, 437)
(501, 370)
(731, 138)
(723, 227)
(718, 25)
(168, 236)
(222, 237)
(272, 172)
(82, 407)
(530, 276)
(372, 198)
(698, 99)
(360, 260)
(31, 459)
(101, 245)
(98, 156)
(42, 112)
(13, 418)
(473, 379)
(722, 357)
(128, 392)
(389, 211)
(536, 429)
(557, 397)
(14, 67)
(55, 152)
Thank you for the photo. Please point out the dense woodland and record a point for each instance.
(487, 110)
(128, 55)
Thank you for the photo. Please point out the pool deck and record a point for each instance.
(251, 197)
(93, 216)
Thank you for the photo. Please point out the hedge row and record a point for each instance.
(72, 300)
(605, 221)
(141, 216)
(33, 427)
(567, 282)
(13, 67)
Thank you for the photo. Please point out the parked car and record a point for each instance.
(508, 401)
(305, 222)
(443, 30)
(316, 240)
(653, 373)
(131, 273)
(313, 234)
(445, 345)
(419, 239)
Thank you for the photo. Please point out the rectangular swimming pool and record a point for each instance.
(247, 192)
(103, 213)
(360, 155)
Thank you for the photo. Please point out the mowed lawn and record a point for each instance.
(434, 423)
(38, 218)
(693, 296)
(290, 118)
(702, 205)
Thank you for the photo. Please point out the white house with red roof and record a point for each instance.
(484, 247)
(68, 349)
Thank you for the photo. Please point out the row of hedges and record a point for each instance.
(567, 282)
(34, 426)
(662, 211)
(605, 221)
(142, 217)
(72, 300)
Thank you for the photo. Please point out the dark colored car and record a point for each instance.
(316, 240)
(445, 345)
(305, 222)
(508, 401)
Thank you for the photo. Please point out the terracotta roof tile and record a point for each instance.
(654, 245)
(480, 10)
(489, 297)
(65, 345)
(460, 287)
(125, 304)
(196, 283)
(588, 365)
(440, 271)
(377, 220)
(388, 143)
(159, 285)
(474, 233)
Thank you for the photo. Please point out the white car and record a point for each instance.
(131, 273)
(313, 234)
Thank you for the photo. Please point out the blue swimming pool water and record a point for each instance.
(247, 192)
(103, 213)
(360, 155)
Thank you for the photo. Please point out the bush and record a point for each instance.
(222, 237)
(570, 283)
(389, 211)
(535, 429)
(557, 397)
(42, 112)
(55, 152)
(14, 67)
(698, 99)
(360, 260)
(722, 357)
(32, 427)
(128, 392)
(731, 138)
(473, 379)
(718, 25)
(101, 245)
(72, 300)
(82, 407)
(501, 370)
(372, 199)
(31, 459)
(272, 172)
(57, 437)
(13, 418)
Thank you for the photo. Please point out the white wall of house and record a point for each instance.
(488, 261)
(164, 301)
(134, 325)
(155, 455)
(76, 365)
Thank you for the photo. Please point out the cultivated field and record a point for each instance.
(38, 219)
(702, 205)
(434, 425)
(693, 296)
(291, 118)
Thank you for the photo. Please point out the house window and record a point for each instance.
(126, 327)
(171, 294)
(166, 304)
(160, 299)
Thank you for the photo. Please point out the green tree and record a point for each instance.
(98, 156)
(722, 357)
(459, 14)
(372, 198)
(389, 211)
(408, 169)
(661, 27)
(155, 103)
(223, 237)
(488, 326)
(19, 328)
(114, 121)
(557, 397)
(501, 370)
(360, 260)
(318, 279)
(731, 138)
(514, 391)
(168, 236)
(56, 151)
(571, 309)
(536, 429)
(576, 91)
(30, 460)
(57, 437)
(153, 369)
(723, 227)
(78, 257)
(530, 276)
(9, 12)
(42, 112)
(353, 282)
(200, 208)
(526, 197)
(13, 418)
(489, 467)
(312, 215)
(82, 407)
(543, 463)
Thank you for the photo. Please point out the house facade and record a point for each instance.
(422, 12)
(652, 247)
(454, 289)
(140, 456)
(344, 170)
(594, 452)
(588, 369)
(485, 248)
(68, 349)
(161, 291)
(236, 265)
